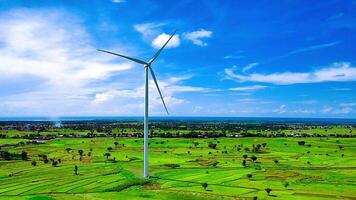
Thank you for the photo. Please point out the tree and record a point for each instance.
(76, 170)
(24, 155)
(116, 143)
(34, 163)
(107, 155)
(6, 155)
(80, 152)
(245, 156)
(109, 148)
(54, 163)
(253, 158)
(244, 163)
(204, 185)
(301, 143)
(196, 144)
(286, 184)
(268, 190)
(276, 161)
(249, 176)
(212, 145)
(68, 149)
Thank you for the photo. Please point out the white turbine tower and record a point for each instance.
(147, 66)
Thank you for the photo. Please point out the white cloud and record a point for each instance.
(249, 66)
(282, 109)
(345, 108)
(311, 48)
(159, 41)
(148, 30)
(197, 109)
(352, 104)
(58, 71)
(233, 57)
(170, 88)
(340, 71)
(249, 88)
(118, 1)
(342, 89)
(196, 36)
(327, 109)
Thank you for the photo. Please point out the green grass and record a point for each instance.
(326, 177)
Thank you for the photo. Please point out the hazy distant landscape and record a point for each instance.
(189, 159)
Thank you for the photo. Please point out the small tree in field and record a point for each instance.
(244, 163)
(107, 155)
(253, 158)
(249, 176)
(245, 156)
(286, 184)
(204, 185)
(34, 163)
(76, 170)
(54, 163)
(116, 143)
(109, 148)
(268, 190)
(24, 155)
(80, 152)
(196, 144)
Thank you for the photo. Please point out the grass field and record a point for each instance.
(315, 170)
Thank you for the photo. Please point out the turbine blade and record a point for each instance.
(127, 57)
(160, 50)
(159, 91)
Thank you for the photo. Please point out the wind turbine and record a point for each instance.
(148, 68)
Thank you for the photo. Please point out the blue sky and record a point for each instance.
(229, 58)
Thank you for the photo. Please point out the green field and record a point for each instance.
(315, 170)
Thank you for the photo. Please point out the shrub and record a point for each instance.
(286, 184)
(54, 163)
(244, 163)
(268, 190)
(204, 185)
(76, 170)
(107, 155)
(172, 165)
(212, 145)
(80, 152)
(253, 158)
(24, 155)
